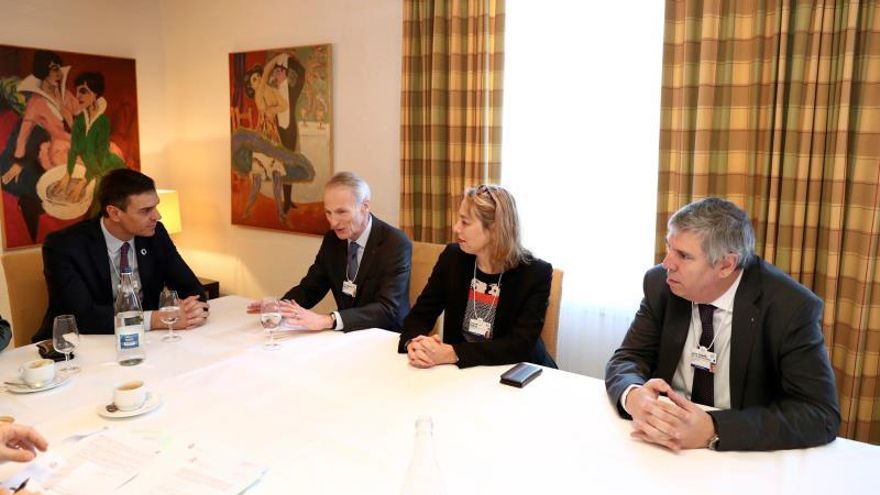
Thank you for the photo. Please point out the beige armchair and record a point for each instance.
(28, 296)
(424, 257)
(550, 331)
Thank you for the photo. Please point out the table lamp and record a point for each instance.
(169, 208)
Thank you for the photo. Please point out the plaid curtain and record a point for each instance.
(453, 52)
(775, 105)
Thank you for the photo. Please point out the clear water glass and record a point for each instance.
(270, 319)
(169, 313)
(65, 338)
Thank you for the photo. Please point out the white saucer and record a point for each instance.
(60, 379)
(152, 403)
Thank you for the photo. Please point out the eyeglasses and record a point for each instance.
(487, 190)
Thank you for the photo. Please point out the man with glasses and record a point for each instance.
(726, 351)
(363, 261)
(83, 262)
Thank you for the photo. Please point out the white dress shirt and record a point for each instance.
(722, 323)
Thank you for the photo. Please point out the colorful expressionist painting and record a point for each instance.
(66, 119)
(282, 128)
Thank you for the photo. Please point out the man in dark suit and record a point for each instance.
(83, 262)
(363, 261)
(720, 327)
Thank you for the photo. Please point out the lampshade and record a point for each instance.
(169, 208)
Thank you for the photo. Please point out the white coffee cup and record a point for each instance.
(130, 395)
(38, 372)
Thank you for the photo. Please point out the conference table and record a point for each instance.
(332, 412)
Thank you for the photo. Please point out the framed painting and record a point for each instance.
(282, 137)
(66, 119)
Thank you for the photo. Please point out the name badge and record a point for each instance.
(704, 359)
(349, 288)
(478, 326)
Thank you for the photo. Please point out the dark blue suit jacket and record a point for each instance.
(782, 388)
(77, 270)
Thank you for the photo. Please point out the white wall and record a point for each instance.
(182, 49)
(198, 36)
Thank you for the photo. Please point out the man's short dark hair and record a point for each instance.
(119, 185)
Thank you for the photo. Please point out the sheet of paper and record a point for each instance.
(101, 464)
(138, 464)
(208, 473)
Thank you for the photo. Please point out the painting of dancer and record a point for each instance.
(281, 124)
(66, 119)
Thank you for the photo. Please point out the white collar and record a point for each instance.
(365, 235)
(725, 301)
(31, 84)
(101, 105)
(113, 244)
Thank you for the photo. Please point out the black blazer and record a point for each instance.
(77, 270)
(782, 388)
(519, 318)
(382, 297)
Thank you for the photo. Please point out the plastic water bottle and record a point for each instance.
(423, 476)
(128, 324)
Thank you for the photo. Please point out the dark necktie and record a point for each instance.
(352, 260)
(703, 391)
(123, 259)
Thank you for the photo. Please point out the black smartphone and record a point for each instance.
(520, 375)
(47, 351)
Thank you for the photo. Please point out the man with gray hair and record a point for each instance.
(726, 351)
(363, 261)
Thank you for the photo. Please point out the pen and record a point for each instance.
(21, 486)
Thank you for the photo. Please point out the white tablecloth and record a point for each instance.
(333, 413)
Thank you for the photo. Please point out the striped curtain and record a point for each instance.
(775, 105)
(453, 53)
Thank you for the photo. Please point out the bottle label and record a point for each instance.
(129, 337)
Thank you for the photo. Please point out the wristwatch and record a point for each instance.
(713, 442)
(332, 321)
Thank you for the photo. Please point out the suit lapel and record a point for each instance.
(675, 333)
(146, 260)
(744, 328)
(101, 261)
(460, 270)
(337, 269)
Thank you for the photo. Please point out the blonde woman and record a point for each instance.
(494, 292)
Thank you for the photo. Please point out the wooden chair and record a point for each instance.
(28, 295)
(424, 257)
(550, 331)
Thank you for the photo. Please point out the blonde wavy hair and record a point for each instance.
(495, 208)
